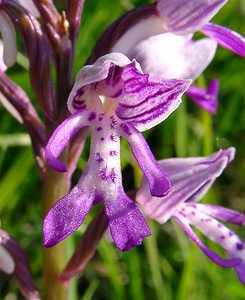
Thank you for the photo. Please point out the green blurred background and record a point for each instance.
(167, 266)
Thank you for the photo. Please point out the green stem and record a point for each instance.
(154, 263)
(208, 132)
(54, 187)
(206, 118)
(181, 133)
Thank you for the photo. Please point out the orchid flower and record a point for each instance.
(115, 99)
(13, 260)
(159, 36)
(190, 179)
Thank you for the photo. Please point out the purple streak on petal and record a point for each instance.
(127, 225)
(66, 215)
(226, 38)
(206, 99)
(176, 165)
(156, 176)
(22, 270)
(148, 100)
(225, 263)
(190, 179)
(223, 214)
(61, 137)
(93, 73)
(185, 16)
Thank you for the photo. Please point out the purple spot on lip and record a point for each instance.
(112, 175)
(239, 246)
(113, 152)
(219, 225)
(99, 159)
(113, 122)
(113, 137)
(102, 139)
(222, 237)
(108, 176)
(99, 128)
(103, 174)
(101, 116)
(92, 116)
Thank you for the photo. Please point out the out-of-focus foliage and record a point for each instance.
(167, 266)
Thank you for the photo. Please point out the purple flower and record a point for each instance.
(190, 179)
(115, 99)
(159, 36)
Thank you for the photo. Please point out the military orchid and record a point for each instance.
(191, 178)
(115, 98)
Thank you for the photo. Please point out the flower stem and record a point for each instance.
(55, 186)
(208, 132)
(181, 133)
(206, 120)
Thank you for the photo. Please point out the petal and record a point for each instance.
(30, 6)
(176, 165)
(6, 261)
(225, 263)
(157, 178)
(3, 67)
(223, 214)
(185, 16)
(22, 270)
(174, 56)
(9, 39)
(61, 137)
(10, 108)
(127, 225)
(148, 100)
(226, 38)
(190, 179)
(86, 248)
(67, 215)
(206, 99)
(137, 30)
(219, 234)
(95, 73)
(240, 269)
